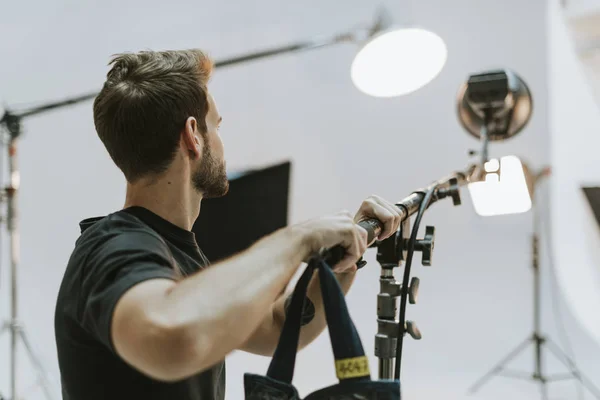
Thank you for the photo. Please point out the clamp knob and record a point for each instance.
(454, 191)
(413, 290)
(425, 245)
(412, 330)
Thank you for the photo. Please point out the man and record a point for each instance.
(140, 315)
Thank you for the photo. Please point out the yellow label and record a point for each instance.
(352, 367)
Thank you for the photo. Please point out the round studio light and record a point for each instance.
(398, 62)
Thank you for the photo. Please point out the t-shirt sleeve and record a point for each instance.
(114, 267)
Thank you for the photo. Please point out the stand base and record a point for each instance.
(539, 342)
(19, 332)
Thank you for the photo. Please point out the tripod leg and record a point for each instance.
(544, 390)
(498, 367)
(7, 326)
(574, 370)
(44, 382)
(13, 330)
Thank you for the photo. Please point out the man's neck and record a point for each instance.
(175, 202)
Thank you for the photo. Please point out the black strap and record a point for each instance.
(350, 359)
(348, 351)
(284, 360)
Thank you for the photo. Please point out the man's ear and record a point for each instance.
(191, 141)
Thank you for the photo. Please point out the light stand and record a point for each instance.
(397, 250)
(495, 106)
(12, 122)
(537, 339)
(492, 106)
(13, 325)
(391, 253)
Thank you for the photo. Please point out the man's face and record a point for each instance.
(210, 175)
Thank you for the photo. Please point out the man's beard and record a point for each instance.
(210, 178)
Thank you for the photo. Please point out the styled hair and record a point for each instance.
(143, 106)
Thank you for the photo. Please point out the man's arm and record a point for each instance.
(171, 330)
(266, 337)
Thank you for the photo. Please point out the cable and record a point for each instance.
(2, 193)
(411, 249)
(2, 197)
(545, 221)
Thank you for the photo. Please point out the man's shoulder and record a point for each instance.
(119, 227)
(116, 222)
(112, 240)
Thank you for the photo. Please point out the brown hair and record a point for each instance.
(144, 103)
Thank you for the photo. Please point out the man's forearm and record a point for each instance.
(222, 305)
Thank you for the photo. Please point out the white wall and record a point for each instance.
(475, 300)
(575, 8)
(574, 125)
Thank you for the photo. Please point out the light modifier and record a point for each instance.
(398, 61)
(496, 104)
(505, 189)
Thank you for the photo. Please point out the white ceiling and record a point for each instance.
(475, 301)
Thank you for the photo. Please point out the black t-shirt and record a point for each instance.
(113, 254)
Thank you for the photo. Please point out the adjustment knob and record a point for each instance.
(454, 191)
(425, 245)
(359, 264)
(412, 330)
(413, 290)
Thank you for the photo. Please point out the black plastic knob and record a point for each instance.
(425, 245)
(455, 191)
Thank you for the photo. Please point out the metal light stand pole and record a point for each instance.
(392, 253)
(13, 325)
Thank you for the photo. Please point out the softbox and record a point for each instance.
(255, 206)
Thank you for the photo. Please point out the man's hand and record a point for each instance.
(338, 229)
(386, 212)
(341, 229)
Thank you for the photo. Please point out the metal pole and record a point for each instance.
(346, 37)
(292, 48)
(386, 368)
(16, 330)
